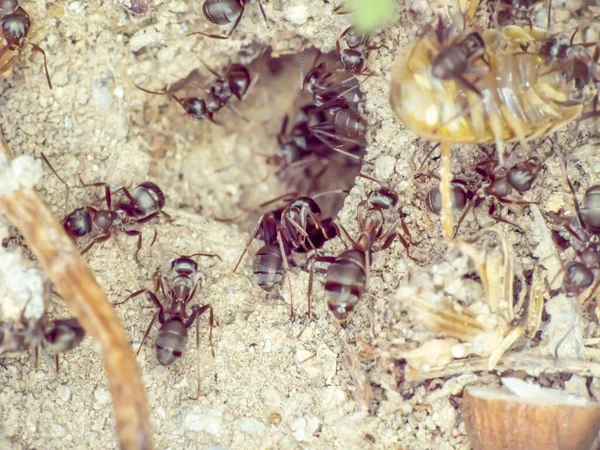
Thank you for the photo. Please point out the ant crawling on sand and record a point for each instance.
(234, 83)
(223, 12)
(175, 291)
(493, 182)
(39, 336)
(579, 275)
(15, 23)
(297, 227)
(133, 207)
(347, 276)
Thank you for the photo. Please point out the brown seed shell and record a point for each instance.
(497, 419)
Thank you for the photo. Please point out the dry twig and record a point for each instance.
(64, 265)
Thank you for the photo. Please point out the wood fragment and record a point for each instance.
(446, 190)
(74, 281)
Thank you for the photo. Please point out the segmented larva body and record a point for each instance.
(522, 97)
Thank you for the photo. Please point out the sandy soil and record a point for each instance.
(265, 387)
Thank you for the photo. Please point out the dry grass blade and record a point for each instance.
(64, 265)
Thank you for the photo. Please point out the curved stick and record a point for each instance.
(74, 281)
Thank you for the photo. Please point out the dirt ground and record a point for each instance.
(265, 387)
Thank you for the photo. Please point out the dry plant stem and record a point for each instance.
(64, 265)
(445, 189)
(533, 365)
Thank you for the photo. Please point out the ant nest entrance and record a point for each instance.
(309, 155)
(278, 141)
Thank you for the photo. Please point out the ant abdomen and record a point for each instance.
(78, 223)
(345, 282)
(268, 266)
(578, 278)
(590, 209)
(171, 340)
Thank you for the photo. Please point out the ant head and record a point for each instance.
(383, 198)
(354, 38)
(353, 61)
(184, 265)
(78, 223)
(522, 175)
(15, 28)
(555, 47)
(474, 44)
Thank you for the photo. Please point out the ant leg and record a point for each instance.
(154, 238)
(148, 218)
(563, 164)
(462, 217)
(151, 295)
(468, 85)
(252, 236)
(590, 297)
(262, 10)
(39, 49)
(197, 285)
(208, 255)
(139, 241)
(301, 230)
(318, 258)
(237, 21)
(152, 92)
(98, 240)
(237, 112)
(197, 312)
(391, 234)
(67, 187)
(341, 227)
(284, 257)
(147, 332)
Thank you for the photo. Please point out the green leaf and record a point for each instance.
(368, 15)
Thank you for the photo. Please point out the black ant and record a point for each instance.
(39, 336)
(579, 276)
(223, 12)
(234, 83)
(136, 206)
(15, 23)
(353, 58)
(348, 273)
(285, 230)
(299, 149)
(499, 184)
(176, 292)
(455, 60)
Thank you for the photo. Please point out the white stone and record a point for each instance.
(178, 6)
(250, 426)
(295, 13)
(102, 395)
(384, 167)
(63, 393)
(144, 37)
(202, 419)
